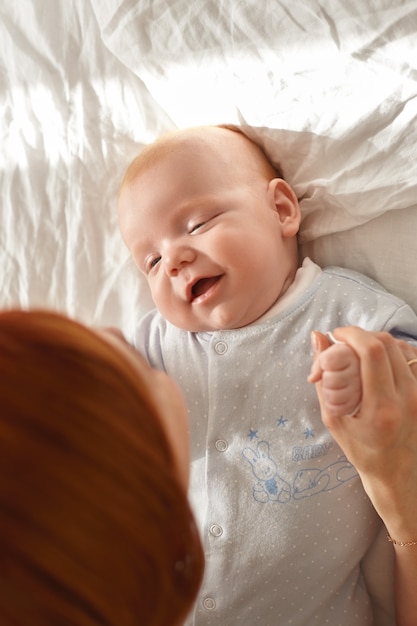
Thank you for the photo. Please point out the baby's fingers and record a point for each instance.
(341, 397)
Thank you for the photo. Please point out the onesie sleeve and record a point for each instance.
(403, 324)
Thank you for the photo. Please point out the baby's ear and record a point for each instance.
(285, 203)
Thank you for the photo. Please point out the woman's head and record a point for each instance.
(95, 526)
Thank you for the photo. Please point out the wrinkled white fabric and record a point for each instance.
(326, 87)
(71, 116)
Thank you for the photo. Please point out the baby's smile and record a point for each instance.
(202, 286)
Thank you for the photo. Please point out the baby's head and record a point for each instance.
(212, 225)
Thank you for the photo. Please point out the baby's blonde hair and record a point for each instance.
(254, 162)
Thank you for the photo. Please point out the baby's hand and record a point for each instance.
(337, 367)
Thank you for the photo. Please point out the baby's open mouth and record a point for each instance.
(203, 285)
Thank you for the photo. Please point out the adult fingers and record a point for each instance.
(382, 356)
(409, 352)
(319, 342)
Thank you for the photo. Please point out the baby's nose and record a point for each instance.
(177, 258)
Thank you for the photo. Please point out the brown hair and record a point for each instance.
(95, 528)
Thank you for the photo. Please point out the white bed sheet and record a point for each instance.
(71, 116)
(327, 87)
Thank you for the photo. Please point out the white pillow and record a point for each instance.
(328, 89)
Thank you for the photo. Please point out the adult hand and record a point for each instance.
(381, 441)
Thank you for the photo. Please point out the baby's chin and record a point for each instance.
(212, 323)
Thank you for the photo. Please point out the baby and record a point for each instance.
(284, 518)
(186, 301)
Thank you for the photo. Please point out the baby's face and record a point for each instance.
(213, 247)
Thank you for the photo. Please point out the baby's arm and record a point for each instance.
(338, 369)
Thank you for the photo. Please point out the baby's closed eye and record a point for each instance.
(202, 221)
(195, 227)
(150, 263)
